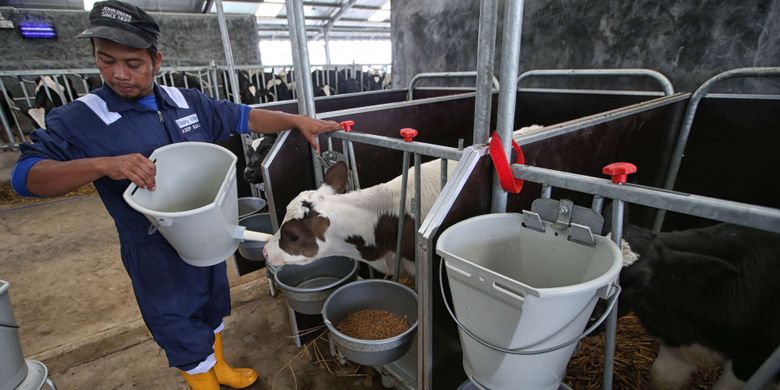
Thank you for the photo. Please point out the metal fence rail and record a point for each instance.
(663, 81)
(18, 88)
(743, 214)
(687, 124)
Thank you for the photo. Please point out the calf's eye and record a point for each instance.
(289, 236)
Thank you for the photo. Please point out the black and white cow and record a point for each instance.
(50, 94)
(711, 295)
(260, 149)
(360, 224)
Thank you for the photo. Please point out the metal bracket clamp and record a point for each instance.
(565, 210)
(581, 234)
(532, 221)
(565, 213)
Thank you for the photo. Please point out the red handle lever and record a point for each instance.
(619, 171)
(408, 134)
(347, 125)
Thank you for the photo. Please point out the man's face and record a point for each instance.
(129, 72)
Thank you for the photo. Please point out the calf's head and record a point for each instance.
(668, 274)
(302, 238)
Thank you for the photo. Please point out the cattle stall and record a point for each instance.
(323, 104)
(645, 132)
(446, 122)
(45, 89)
(738, 126)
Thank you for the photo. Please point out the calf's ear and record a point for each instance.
(336, 177)
(699, 268)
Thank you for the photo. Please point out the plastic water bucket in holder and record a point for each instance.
(522, 297)
(194, 206)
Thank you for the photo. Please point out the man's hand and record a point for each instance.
(135, 167)
(311, 128)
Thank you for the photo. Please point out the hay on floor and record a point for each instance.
(9, 198)
(634, 354)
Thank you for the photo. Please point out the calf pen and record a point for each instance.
(569, 156)
(445, 124)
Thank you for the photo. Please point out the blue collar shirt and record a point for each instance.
(102, 124)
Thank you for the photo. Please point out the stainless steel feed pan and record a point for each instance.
(377, 294)
(253, 250)
(306, 287)
(249, 205)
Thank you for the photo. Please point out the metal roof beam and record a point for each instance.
(336, 17)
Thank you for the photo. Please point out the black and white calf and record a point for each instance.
(260, 148)
(711, 295)
(361, 224)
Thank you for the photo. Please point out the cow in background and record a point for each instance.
(260, 148)
(8, 113)
(711, 295)
(50, 94)
(94, 82)
(191, 81)
(324, 82)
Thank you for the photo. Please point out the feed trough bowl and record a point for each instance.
(307, 286)
(372, 294)
(253, 250)
(249, 205)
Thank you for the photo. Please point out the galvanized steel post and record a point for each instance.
(303, 84)
(690, 113)
(486, 51)
(223, 32)
(510, 63)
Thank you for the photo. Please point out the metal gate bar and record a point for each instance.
(690, 113)
(743, 214)
(663, 81)
(443, 75)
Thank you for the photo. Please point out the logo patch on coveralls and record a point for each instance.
(188, 123)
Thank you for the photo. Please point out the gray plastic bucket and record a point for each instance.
(253, 250)
(250, 205)
(377, 294)
(195, 206)
(307, 286)
(13, 369)
(522, 289)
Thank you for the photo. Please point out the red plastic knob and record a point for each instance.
(347, 125)
(619, 171)
(408, 134)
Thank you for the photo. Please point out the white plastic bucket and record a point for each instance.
(13, 369)
(524, 290)
(195, 206)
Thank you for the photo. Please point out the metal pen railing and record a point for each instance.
(663, 81)
(753, 216)
(687, 124)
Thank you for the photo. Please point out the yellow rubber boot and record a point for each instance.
(237, 378)
(202, 381)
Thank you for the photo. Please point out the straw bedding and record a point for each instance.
(634, 353)
(9, 198)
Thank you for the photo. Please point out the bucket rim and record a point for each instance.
(128, 196)
(603, 280)
(398, 337)
(256, 211)
(4, 286)
(287, 287)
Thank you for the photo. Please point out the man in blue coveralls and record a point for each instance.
(105, 137)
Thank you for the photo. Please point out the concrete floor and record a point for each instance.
(77, 314)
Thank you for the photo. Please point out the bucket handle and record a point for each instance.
(520, 351)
